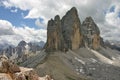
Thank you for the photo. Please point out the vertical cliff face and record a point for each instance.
(71, 29)
(68, 33)
(96, 42)
(91, 33)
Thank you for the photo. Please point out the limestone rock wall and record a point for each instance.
(54, 35)
(69, 33)
(91, 33)
(65, 33)
(71, 29)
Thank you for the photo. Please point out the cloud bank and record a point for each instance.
(106, 14)
(13, 35)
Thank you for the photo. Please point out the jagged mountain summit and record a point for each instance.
(91, 34)
(71, 29)
(69, 33)
(75, 51)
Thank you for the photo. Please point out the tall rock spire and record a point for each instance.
(71, 29)
(68, 33)
(54, 35)
(91, 33)
(65, 33)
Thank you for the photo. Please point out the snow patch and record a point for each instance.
(93, 60)
(27, 49)
(101, 57)
(79, 60)
(80, 70)
(113, 58)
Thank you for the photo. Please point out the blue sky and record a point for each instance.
(112, 9)
(17, 18)
(27, 19)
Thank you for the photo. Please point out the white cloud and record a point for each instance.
(112, 17)
(40, 23)
(13, 35)
(6, 28)
(14, 11)
(112, 20)
(47, 9)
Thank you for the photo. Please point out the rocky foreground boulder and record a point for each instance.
(10, 71)
(69, 33)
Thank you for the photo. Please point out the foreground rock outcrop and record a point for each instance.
(10, 71)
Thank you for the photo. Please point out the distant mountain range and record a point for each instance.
(21, 50)
(113, 44)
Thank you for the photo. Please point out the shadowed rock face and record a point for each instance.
(71, 29)
(89, 23)
(54, 35)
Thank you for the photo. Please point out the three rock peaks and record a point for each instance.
(69, 33)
